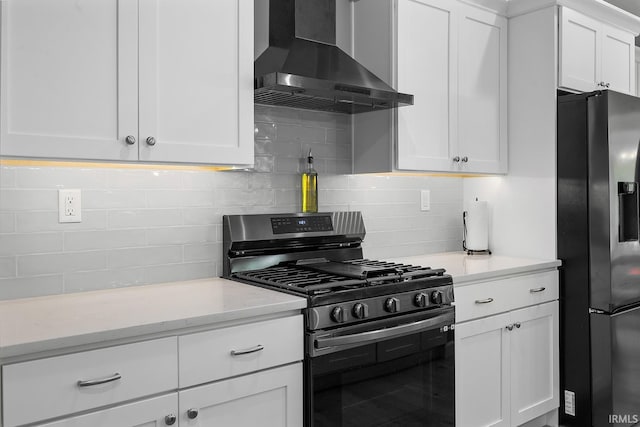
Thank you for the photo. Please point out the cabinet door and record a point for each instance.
(69, 78)
(271, 398)
(427, 68)
(580, 51)
(482, 91)
(534, 362)
(618, 60)
(154, 412)
(196, 81)
(482, 372)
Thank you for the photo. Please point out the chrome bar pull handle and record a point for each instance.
(484, 301)
(89, 383)
(247, 351)
(536, 290)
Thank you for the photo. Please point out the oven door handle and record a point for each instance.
(383, 333)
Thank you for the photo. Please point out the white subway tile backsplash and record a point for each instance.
(41, 264)
(143, 226)
(7, 222)
(301, 134)
(15, 200)
(7, 266)
(7, 177)
(203, 252)
(40, 221)
(20, 244)
(180, 235)
(24, 287)
(75, 241)
(47, 177)
(113, 199)
(263, 197)
(186, 271)
(265, 132)
(104, 279)
(152, 255)
(264, 163)
(202, 216)
(159, 199)
(144, 179)
(277, 115)
(143, 218)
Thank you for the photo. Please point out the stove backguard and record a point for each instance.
(253, 242)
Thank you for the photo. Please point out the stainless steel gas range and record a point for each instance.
(379, 338)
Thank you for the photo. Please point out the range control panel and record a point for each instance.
(300, 224)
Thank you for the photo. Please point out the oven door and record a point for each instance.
(391, 373)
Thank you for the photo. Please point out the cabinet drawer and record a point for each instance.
(488, 298)
(46, 388)
(226, 352)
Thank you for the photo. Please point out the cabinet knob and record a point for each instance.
(192, 413)
(456, 159)
(607, 85)
(510, 327)
(170, 419)
(465, 159)
(151, 141)
(517, 325)
(130, 139)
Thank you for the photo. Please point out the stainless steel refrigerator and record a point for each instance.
(598, 243)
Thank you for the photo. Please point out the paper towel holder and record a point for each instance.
(464, 239)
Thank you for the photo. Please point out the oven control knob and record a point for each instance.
(421, 299)
(360, 311)
(338, 315)
(392, 305)
(436, 297)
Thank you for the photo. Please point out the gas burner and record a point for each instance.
(320, 276)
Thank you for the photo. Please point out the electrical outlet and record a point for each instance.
(69, 205)
(425, 200)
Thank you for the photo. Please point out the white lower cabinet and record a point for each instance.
(242, 376)
(271, 398)
(507, 365)
(159, 411)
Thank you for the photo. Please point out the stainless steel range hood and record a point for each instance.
(303, 67)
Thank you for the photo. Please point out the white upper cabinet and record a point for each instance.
(148, 80)
(594, 55)
(196, 81)
(427, 68)
(482, 91)
(69, 79)
(452, 56)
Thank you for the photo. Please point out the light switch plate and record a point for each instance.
(425, 200)
(69, 205)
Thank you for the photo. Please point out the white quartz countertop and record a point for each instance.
(466, 269)
(40, 324)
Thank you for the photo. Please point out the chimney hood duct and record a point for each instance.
(303, 67)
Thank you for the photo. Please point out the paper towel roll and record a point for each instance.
(477, 226)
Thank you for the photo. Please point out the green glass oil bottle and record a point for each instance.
(310, 187)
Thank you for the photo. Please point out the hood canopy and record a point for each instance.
(303, 67)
